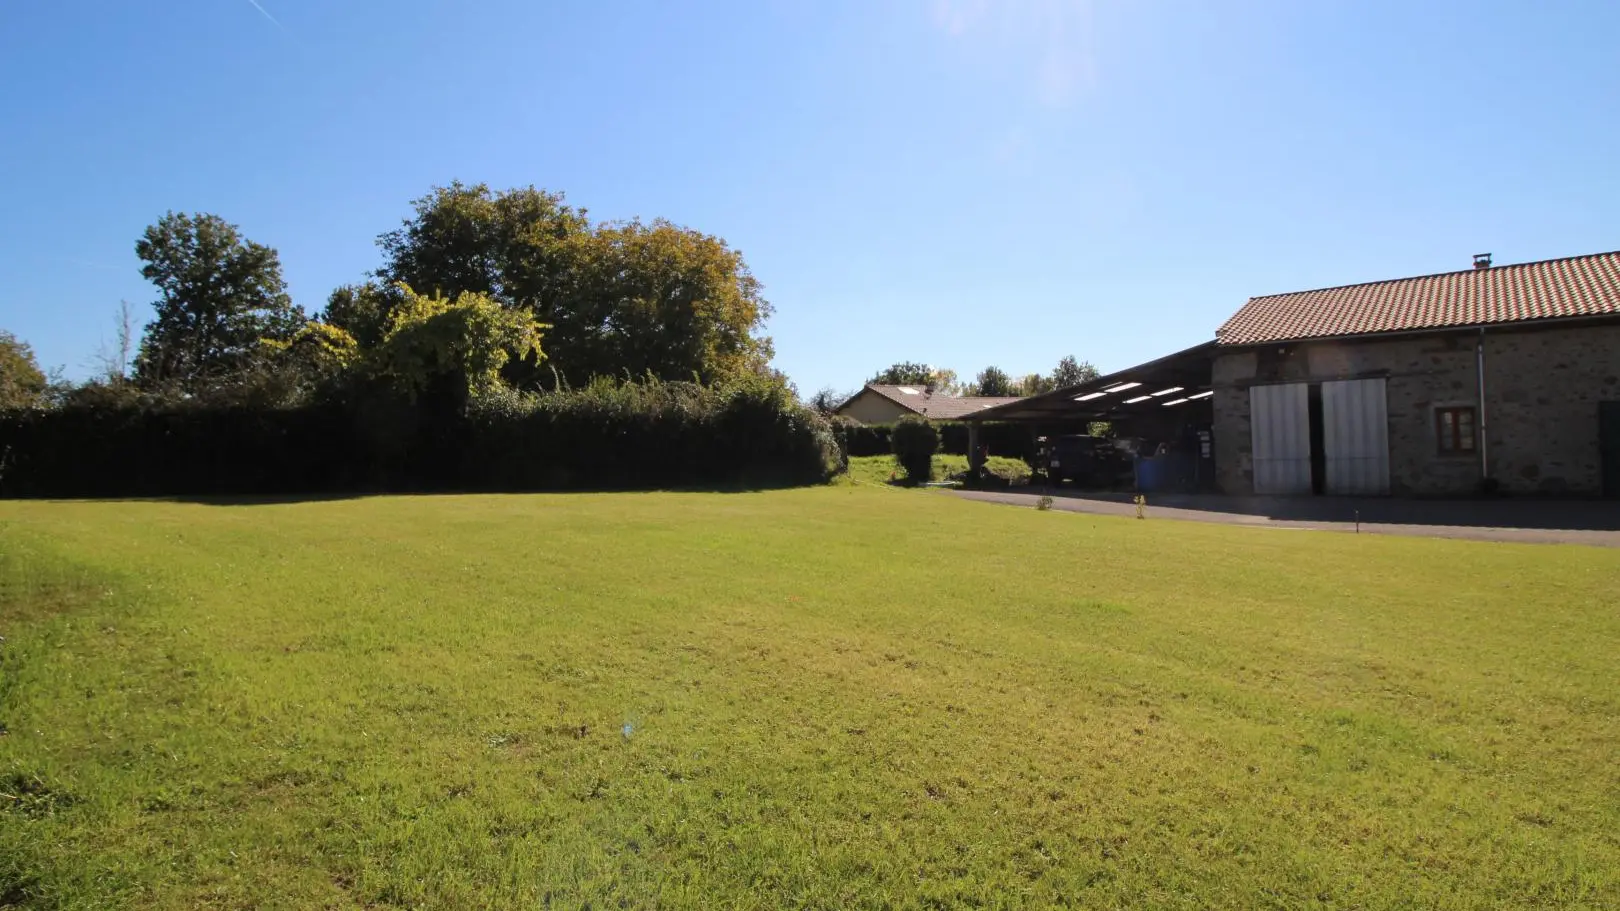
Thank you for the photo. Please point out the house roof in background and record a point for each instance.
(936, 405)
(1575, 286)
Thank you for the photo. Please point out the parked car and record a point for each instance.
(1088, 461)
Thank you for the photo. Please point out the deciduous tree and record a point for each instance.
(22, 383)
(1034, 384)
(993, 381)
(904, 373)
(363, 311)
(317, 355)
(220, 295)
(827, 399)
(943, 380)
(629, 298)
(114, 358)
(460, 345)
(515, 246)
(666, 301)
(1071, 372)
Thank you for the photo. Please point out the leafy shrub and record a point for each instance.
(1002, 472)
(915, 442)
(470, 339)
(997, 473)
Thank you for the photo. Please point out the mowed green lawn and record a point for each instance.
(839, 697)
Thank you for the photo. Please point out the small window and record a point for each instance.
(1454, 430)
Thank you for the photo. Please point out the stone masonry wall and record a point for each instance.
(1424, 372)
(1234, 453)
(1543, 386)
(1543, 390)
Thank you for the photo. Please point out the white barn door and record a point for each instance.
(1355, 436)
(1280, 425)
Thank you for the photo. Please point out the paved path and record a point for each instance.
(1593, 522)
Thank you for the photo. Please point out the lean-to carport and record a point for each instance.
(1165, 402)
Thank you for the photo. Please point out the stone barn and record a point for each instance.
(1494, 378)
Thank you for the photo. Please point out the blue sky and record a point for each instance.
(963, 182)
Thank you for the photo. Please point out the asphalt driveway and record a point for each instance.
(1594, 522)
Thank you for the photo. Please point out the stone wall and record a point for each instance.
(1543, 386)
(1231, 375)
(1542, 390)
(1422, 373)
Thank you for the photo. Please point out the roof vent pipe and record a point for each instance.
(1482, 260)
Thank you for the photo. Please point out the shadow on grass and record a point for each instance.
(286, 498)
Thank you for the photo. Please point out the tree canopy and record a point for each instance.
(316, 355)
(363, 311)
(1071, 372)
(993, 381)
(22, 383)
(667, 301)
(827, 399)
(903, 373)
(621, 298)
(1034, 384)
(433, 341)
(624, 299)
(519, 247)
(220, 295)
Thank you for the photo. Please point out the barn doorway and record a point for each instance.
(1320, 438)
(1280, 428)
(1609, 446)
(1355, 435)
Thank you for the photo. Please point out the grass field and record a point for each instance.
(849, 696)
(879, 469)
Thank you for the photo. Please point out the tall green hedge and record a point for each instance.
(655, 434)
(1015, 441)
(608, 436)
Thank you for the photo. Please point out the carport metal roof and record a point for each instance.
(1177, 379)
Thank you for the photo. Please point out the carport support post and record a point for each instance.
(975, 457)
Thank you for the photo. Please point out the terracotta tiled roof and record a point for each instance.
(1554, 288)
(938, 405)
